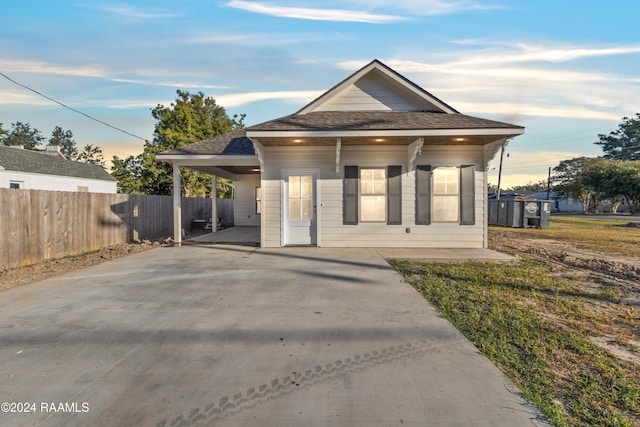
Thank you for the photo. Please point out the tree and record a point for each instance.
(64, 139)
(69, 148)
(613, 179)
(128, 172)
(568, 180)
(624, 142)
(91, 154)
(191, 118)
(22, 134)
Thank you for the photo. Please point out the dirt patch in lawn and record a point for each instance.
(598, 272)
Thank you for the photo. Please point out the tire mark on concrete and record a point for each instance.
(231, 405)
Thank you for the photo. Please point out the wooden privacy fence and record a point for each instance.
(36, 225)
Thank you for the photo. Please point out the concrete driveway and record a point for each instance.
(238, 336)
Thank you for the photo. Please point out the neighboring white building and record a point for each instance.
(49, 170)
(376, 161)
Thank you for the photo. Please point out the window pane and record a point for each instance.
(445, 181)
(306, 184)
(366, 174)
(373, 208)
(294, 209)
(366, 187)
(379, 174)
(379, 187)
(305, 207)
(445, 208)
(294, 186)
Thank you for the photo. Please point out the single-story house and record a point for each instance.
(49, 170)
(376, 161)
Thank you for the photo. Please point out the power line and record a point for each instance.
(72, 109)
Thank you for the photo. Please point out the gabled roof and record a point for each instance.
(376, 70)
(374, 100)
(30, 161)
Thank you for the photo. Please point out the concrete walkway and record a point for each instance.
(237, 336)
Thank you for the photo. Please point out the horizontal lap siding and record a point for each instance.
(333, 233)
(245, 201)
(436, 235)
(373, 93)
(271, 213)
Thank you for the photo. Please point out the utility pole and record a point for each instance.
(549, 184)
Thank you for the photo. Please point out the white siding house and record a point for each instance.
(34, 170)
(376, 161)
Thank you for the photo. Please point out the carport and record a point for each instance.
(230, 156)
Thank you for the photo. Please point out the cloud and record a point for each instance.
(523, 52)
(263, 39)
(227, 100)
(525, 79)
(529, 109)
(238, 99)
(169, 84)
(136, 12)
(342, 15)
(426, 7)
(21, 66)
(14, 98)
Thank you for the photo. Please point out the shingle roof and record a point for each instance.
(15, 159)
(235, 142)
(376, 120)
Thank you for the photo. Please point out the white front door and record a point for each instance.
(299, 208)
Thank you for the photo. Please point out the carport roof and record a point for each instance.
(232, 143)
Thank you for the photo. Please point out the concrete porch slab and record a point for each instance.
(445, 255)
(234, 235)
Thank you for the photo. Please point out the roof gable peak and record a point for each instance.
(377, 87)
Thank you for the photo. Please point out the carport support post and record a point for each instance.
(214, 204)
(177, 207)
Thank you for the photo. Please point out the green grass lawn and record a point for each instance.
(538, 328)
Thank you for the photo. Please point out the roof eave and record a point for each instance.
(385, 133)
(227, 159)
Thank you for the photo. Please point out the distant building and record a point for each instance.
(49, 170)
(558, 203)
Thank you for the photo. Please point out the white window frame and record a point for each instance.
(258, 200)
(361, 195)
(440, 196)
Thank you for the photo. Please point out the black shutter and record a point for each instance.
(350, 196)
(394, 195)
(467, 195)
(423, 194)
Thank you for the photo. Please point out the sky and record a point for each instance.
(565, 70)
